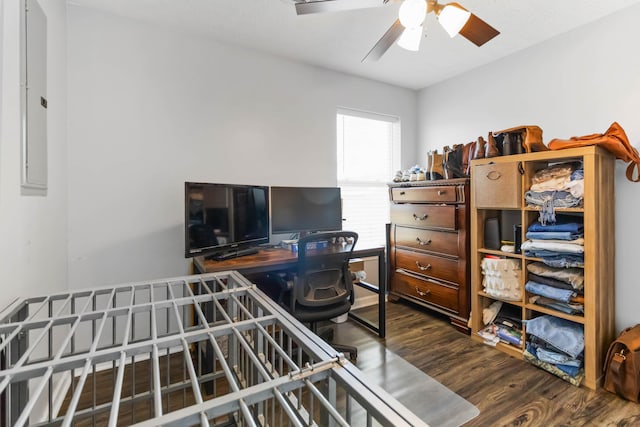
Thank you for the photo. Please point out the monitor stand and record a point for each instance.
(233, 254)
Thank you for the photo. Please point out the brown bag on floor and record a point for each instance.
(614, 140)
(622, 365)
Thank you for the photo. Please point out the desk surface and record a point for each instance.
(275, 258)
(265, 258)
(269, 260)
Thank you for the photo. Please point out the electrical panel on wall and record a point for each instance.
(33, 87)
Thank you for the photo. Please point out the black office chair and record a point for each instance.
(322, 287)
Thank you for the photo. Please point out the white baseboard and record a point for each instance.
(366, 301)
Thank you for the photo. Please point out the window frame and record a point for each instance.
(394, 153)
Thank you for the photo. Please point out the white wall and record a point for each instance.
(574, 84)
(150, 108)
(33, 246)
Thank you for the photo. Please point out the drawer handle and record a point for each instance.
(441, 192)
(423, 267)
(402, 193)
(420, 218)
(422, 293)
(494, 175)
(423, 242)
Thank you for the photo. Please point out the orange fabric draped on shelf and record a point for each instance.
(614, 139)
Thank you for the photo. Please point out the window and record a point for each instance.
(368, 155)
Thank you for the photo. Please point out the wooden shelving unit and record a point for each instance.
(598, 212)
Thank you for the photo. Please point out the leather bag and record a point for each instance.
(614, 139)
(531, 137)
(622, 365)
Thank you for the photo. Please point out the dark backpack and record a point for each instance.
(622, 366)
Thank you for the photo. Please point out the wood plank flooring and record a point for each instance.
(508, 391)
(135, 382)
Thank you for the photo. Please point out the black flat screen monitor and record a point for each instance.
(305, 209)
(224, 217)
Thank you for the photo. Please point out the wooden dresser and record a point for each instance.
(429, 246)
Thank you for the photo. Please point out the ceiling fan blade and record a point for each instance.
(393, 33)
(321, 6)
(477, 31)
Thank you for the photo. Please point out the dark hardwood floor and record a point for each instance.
(506, 390)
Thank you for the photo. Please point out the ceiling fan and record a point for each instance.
(407, 30)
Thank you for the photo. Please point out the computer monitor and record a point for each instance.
(305, 209)
(223, 218)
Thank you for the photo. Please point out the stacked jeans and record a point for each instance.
(556, 345)
(560, 185)
(556, 282)
(559, 244)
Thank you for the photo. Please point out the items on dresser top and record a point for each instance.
(455, 159)
(429, 247)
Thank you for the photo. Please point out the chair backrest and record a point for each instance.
(323, 276)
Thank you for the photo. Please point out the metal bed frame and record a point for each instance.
(207, 349)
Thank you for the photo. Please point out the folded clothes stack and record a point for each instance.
(556, 345)
(556, 282)
(558, 186)
(558, 244)
(557, 288)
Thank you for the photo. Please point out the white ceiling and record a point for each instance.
(339, 40)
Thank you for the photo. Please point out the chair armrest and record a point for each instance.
(285, 283)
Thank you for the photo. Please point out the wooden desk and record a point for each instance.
(269, 260)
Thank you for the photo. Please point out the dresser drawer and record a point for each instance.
(430, 240)
(437, 294)
(427, 265)
(436, 194)
(416, 215)
(497, 185)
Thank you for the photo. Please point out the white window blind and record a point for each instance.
(367, 146)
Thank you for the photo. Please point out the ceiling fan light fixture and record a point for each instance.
(410, 39)
(453, 17)
(412, 13)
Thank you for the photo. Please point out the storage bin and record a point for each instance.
(497, 185)
(502, 278)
